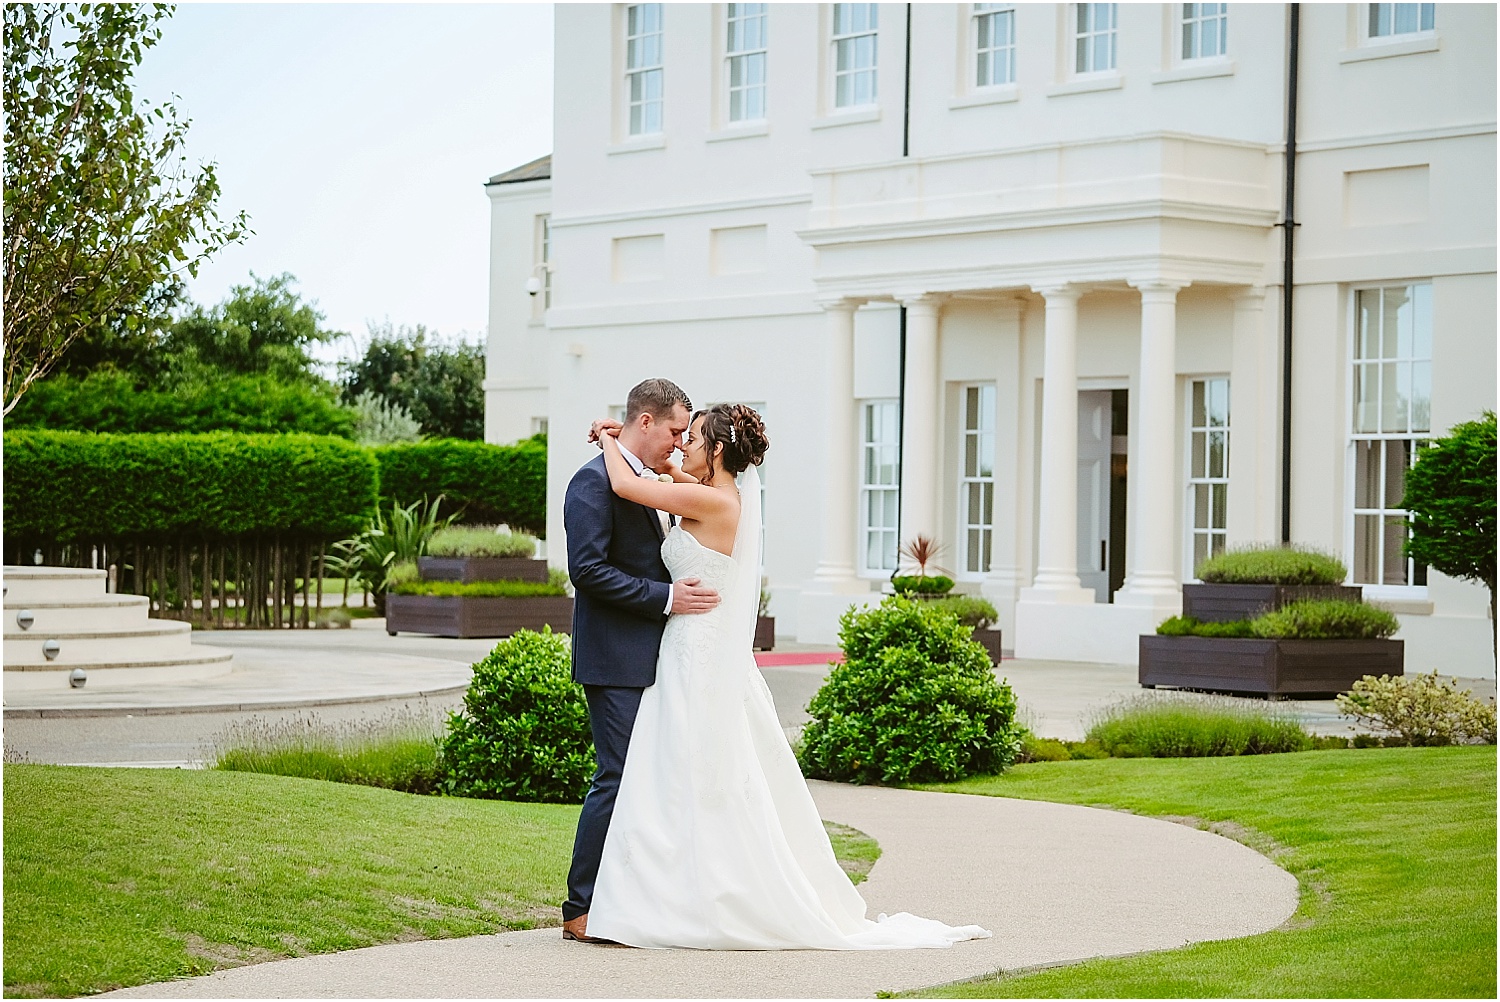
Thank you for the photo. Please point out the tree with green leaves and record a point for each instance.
(263, 328)
(1450, 493)
(439, 382)
(103, 213)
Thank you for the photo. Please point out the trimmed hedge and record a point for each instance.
(72, 486)
(488, 483)
(108, 401)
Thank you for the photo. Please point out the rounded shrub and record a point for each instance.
(1420, 710)
(1277, 565)
(916, 700)
(523, 733)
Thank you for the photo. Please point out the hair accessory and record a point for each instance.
(731, 435)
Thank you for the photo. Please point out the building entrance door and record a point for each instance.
(1101, 491)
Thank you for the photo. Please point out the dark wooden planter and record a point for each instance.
(1225, 603)
(1265, 667)
(475, 616)
(991, 641)
(765, 633)
(470, 569)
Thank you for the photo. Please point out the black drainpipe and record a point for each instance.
(901, 366)
(1288, 228)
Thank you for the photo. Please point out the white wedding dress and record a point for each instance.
(715, 843)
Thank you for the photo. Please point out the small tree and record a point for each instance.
(264, 328)
(440, 382)
(1450, 493)
(102, 211)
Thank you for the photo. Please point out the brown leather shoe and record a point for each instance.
(576, 929)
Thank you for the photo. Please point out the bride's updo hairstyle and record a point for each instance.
(739, 430)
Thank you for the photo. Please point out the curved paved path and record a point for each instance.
(1055, 883)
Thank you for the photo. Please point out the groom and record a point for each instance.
(623, 595)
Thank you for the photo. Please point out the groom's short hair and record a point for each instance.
(656, 397)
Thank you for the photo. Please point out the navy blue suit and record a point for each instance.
(619, 610)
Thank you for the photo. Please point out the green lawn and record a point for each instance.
(119, 877)
(1394, 850)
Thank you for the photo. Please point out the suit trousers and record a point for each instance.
(612, 711)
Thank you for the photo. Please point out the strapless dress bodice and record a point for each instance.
(685, 557)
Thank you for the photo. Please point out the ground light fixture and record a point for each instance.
(77, 678)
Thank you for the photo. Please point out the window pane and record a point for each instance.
(1200, 550)
(1200, 454)
(1421, 396)
(1220, 505)
(1366, 474)
(1396, 459)
(1218, 449)
(1200, 505)
(1395, 562)
(1218, 403)
(1422, 321)
(1367, 397)
(1393, 302)
(1389, 409)
(1366, 549)
(1200, 404)
(1367, 345)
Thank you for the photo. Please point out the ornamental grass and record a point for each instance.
(1194, 727)
(1274, 565)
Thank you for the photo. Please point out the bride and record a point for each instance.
(715, 842)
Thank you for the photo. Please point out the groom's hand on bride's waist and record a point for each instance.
(690, 596)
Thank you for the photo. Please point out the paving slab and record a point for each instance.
(1055, 883)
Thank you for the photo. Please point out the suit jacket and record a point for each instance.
(620, 583)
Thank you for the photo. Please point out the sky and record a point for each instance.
(358, 138)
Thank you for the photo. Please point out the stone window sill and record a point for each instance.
(740, 131)
(856, 116)
(1087, 85)
(1004, 94)
(1197, 70)
(1374, 49)
(639, 144)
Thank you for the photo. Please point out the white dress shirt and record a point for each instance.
(641, 471)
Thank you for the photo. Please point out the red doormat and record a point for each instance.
(774, 659)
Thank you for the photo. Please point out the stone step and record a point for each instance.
(25, 585)
(104, 612)
(158, 640)
(202, 662)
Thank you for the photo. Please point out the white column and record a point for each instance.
(1157, 516)
(921, 444)
(840, 485)
(1252, 421)
(1057, 487)
(1003, 580)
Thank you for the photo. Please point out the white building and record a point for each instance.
(1056, 240)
